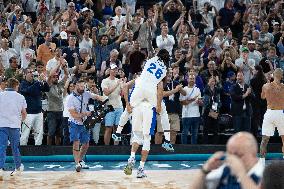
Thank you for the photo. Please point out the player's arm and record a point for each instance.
(263, 92)
(125, 91)
(160, 92)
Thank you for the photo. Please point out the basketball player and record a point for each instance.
(274, 116)
(164, 115)
(145, 101)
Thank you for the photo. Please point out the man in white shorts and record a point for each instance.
(126, 115)
(274, 116)
(145, 101)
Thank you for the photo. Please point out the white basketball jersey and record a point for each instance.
(153, 72)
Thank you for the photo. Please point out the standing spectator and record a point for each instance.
(27, 54)
(241, 109)
(102, 49)
(226, 98)
(212, 104)
(6, 53)
(13, 70)
(270, 62)
(55, 103)
(165, 41)
(190, 111)
(172, 10)
(53, 64)
(245, 65)
(46, 51)
(68, 89)
(111, 87)
(12, 113)
(208, 73)
(258, 104)
(32, 89)
(86, 42)
(226, 15)
(173, 107)
(265, 35)
(208, 13)
(113, 59)
(253, 53)
(118, 20)
(71, 52)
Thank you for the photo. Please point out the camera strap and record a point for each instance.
(81, 101)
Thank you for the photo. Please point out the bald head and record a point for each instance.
(278, 73)
(242, 143)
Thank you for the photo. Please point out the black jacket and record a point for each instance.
(238, 102)
(32, 91)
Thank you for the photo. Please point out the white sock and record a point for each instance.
(132, 155)
(119, 129)
(167, 136)
(142, 164)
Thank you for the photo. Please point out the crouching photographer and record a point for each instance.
(77, 104)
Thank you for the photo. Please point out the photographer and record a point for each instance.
(76, 104)
(240, 168)
(32, 90)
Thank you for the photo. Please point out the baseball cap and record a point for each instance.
(113, 66)
(85, 9)
(63, 35)
(245, 49)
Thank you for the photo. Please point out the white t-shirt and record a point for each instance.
(51, 65)
(6, 55)
(11, 106)
(166, 43)
(27, 55)
(86, 44)
(114, 97)
(246, 68)
(192, 109)
(66, 113)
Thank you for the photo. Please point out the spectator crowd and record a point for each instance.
(221, 53)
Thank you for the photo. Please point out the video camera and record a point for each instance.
(98, 114)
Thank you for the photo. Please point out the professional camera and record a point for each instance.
(98, 114)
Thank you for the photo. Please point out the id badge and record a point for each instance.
(214, 106)
(172, 97)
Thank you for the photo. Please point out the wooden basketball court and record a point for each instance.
(170, 179)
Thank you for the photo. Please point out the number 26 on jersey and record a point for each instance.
(153, 70)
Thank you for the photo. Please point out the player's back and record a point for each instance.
(154, 71)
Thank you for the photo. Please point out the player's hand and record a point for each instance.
(129, 108)
(159, 109)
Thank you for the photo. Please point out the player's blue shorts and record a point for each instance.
(78, 133)
(112, 118)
